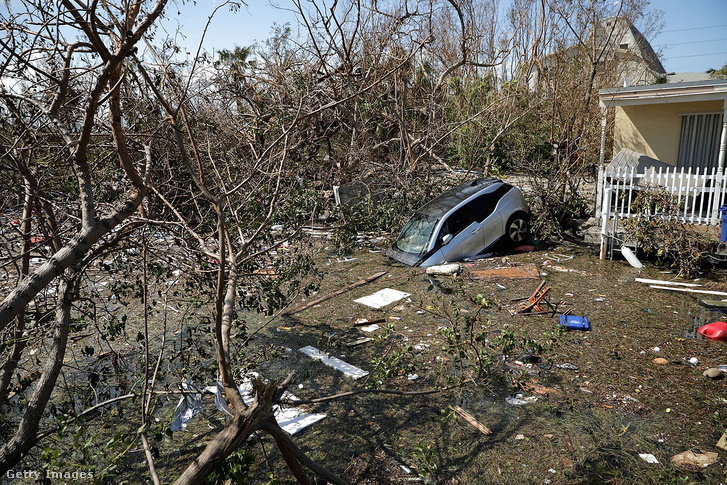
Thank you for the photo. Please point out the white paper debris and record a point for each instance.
(370, 328)
(648, 458)
(338, 364)
(189, 405)
(291, 420)
(519, 400)
(382, 298)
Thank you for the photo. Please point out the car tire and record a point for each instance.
(517, 229)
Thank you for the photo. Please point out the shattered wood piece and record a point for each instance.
(338, 364)
(687, 290)
(467, 417)
(695, 458)
(343, 290)
(664, 282)
(714, 303)
(361, 341)
(722, 443)
(568, 442)
(362, 323)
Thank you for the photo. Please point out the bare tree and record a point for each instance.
(54, 89)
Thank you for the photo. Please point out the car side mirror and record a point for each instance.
(446, 239)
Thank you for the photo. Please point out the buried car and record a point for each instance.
(463, 222)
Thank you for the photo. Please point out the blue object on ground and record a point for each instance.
(575, 323)
(723, 210)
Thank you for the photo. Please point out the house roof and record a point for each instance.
(686, 77)
(619, 31)
(714, 89)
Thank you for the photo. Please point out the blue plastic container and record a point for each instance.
(723, 210)
(574, 323)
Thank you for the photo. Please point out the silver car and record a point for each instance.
(463, 222)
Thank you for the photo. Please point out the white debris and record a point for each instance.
(189, 406)
(649, 458)
(444, 269)
(382, 298)
(338, 364)
(291, 420)
(519, 400)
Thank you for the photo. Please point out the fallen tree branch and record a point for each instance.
(471, 420)
(298, 402)
(343, 290)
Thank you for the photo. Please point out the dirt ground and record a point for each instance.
(591, 402)
(563, 407)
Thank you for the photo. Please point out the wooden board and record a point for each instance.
(714, 303)
(526, 271)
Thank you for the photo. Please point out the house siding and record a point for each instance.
(654, 130)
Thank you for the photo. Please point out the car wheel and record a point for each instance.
(517, 229)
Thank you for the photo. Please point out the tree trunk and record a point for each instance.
(26, 435)
(18, 343)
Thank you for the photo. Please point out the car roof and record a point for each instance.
(450, 199)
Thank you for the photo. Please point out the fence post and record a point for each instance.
(605, 216)
(601, 160)
(718, 181)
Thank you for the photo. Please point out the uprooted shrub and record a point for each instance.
(661, 232)
(556, 201)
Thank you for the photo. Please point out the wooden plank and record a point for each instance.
(526, 271)
(688, 290)
(358, 342)
(323, 298)
(468, 417)
(663, 282)
(714, 303)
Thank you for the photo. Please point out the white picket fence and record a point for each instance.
(699, 195)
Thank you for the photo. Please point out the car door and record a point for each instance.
(466, 235)
(484, 213)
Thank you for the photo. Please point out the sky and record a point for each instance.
(693, 39)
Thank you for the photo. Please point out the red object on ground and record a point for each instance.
(714, 330)
(524, 249)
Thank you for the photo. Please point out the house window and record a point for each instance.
(699, 141)
(623, 46)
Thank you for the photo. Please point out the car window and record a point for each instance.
(483, 206)
(416, 233)
(455, 223)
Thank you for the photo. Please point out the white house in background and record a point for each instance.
(618, 40)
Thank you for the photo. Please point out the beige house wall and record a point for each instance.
(654, 129)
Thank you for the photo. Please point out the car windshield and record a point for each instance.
(416, 234)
